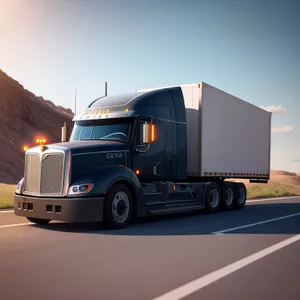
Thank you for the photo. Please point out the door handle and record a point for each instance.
(156, 169)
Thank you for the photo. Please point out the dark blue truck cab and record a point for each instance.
(127, 157)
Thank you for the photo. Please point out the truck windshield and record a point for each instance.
(101, 130)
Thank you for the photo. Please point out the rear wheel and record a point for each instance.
(38, 221)
(212, 198)
(241, 195)
(118, 207)
(228, 196)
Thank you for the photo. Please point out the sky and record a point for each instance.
(249, 48)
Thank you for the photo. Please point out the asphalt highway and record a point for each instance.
(248, 254)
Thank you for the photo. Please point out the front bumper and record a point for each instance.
(60, 209)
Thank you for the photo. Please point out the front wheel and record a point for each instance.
(38, 221)
(118, 207)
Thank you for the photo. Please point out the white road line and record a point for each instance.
(14, 225)
(6, 211)
(273, 199)
(197, 284)
(257, 223)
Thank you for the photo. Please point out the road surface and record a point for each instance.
(248, 254)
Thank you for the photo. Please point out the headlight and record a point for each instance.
(80, 189)
(19, 186)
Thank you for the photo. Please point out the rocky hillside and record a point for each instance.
(23, 117)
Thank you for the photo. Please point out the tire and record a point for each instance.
(241, 195)
(212, 198)
(118, 207)
(228, 195)
(38, 221)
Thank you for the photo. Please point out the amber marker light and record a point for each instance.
(152, 133)
(137, 172)
(25, 148)
(41, 141)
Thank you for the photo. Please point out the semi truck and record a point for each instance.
(150, 152)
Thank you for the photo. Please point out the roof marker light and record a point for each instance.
(41, 141)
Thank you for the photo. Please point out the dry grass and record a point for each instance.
(7, 195)
(281, 184)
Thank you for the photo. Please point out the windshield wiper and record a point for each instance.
(112, 139)
(101, 139)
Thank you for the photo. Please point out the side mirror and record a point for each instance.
(149, 133)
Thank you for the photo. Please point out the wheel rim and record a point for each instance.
(120, 207)
(214, 198)
(242, 196)
(229, 196)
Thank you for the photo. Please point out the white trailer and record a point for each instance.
(227, 137)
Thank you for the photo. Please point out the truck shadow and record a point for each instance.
(200, 223)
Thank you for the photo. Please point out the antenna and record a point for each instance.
(75, 102)
(64, 133)
(105, 88)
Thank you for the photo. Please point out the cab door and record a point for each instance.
(170, 151)
(149, 160)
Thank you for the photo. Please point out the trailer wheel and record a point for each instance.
(228, 196)
(241, 195)
(212, 198)
(38, 221)
(118, 207)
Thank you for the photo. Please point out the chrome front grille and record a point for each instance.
(44, 173)
(33, 173)
(52, 167)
